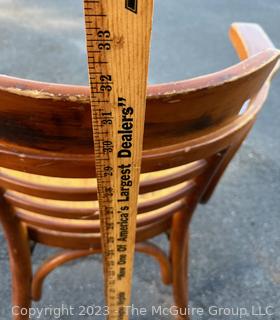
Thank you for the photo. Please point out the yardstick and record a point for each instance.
(118, 44)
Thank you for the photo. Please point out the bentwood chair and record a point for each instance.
(193, 129)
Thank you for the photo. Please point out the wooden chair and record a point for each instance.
(193, 129)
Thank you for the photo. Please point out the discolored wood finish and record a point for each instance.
(193, 128)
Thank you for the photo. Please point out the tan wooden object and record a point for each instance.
(192, 130)
(118, 46)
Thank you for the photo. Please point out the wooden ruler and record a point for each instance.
(118, 45)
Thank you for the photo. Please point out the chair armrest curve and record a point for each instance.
(249, 39)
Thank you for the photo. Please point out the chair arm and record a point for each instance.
(248, 39)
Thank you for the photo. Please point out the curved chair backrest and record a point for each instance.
(43, 122)
(192, 126)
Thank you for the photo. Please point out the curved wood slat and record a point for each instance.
(20, 201)
(57, 224)
(157, 215)
(10, 180)
(167, 199)
(68, 240)
(88, 226)
(65, 240)
(192, 171)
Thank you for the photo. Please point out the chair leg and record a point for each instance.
(20, 260)
(179, 241)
